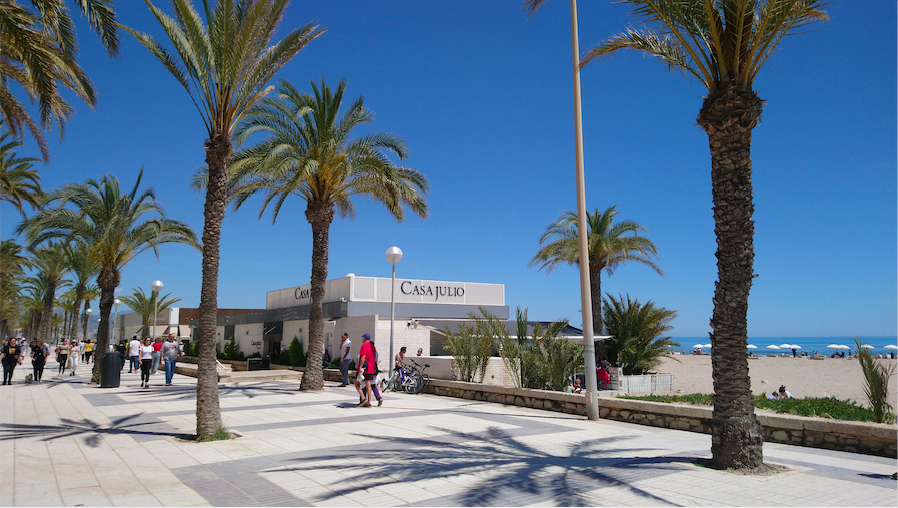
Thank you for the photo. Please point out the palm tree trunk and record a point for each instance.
(208, 410)
(320, 216)
(108, 280)
(85, 318)
(79, 296)
(595, 292)
(47, 314)
(728, 116)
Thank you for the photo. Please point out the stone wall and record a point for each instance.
(859, 437)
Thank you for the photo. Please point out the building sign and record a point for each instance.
(302, 294)
(408, 288)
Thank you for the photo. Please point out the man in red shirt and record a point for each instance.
(367, 366)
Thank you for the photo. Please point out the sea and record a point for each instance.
(809, 344)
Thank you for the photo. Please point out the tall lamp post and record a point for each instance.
(394, 255)
(115, 303)
(157, 287)
(589, 348)
(89, 311)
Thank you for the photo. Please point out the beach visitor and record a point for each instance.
(74, 355)
(577, 387)
(772, 396)
(88, 351)
(603, 378)
(12, 356)
(345, 358)
(62, 356)
(399, 358)
(367, 369)
(570, 387)
(157, 355)
(134, 354)
(38, 360)
(146, 362)
(420, 351)
(784, 394)
(171, 351)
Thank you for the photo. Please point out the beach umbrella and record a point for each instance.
(867, 346)
(698, 346)
(794, 346)
(891, 346)
(773, 347)
(707, 346)
(752, 346)
(841, 346)
(786, 346)
(832, 346)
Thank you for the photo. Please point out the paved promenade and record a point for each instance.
(64, 442)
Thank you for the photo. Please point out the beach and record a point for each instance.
(837, 377)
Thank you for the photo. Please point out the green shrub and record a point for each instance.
(463, 345)
(334, 364)
(231, 351)
(255, 355)
(296, 353)
(636, 328)
(823, 407)
(876, 377)
(282, 359)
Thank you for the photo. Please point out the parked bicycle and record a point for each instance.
(409, 377)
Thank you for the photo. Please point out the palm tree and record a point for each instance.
(19, 184)
(117, 226)
(310, 153)
(225, 71)
(51, 263)
(84, 267)
(637, 328)
(38, 50)
(609, 245)
(12, 273)
(66, 302)
(723, 44)
(147, 306)
(56, 324)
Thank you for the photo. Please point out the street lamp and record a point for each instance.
(89, 311)
(157, 287)
(115, 303)
(394, 255)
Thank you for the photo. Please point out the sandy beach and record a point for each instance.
(838, 377)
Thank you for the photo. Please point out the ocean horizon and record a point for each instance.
(809, 344)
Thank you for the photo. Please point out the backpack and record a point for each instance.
(39, 355)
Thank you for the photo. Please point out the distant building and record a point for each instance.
(358, 305)
(171, 320)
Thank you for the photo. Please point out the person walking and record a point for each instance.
(367, 367)
(134, 353)
(171, 351)
(74, 355)
(157, 354)
(38, 359)
(62, 356)
(345, 358)
(146, 362)
(12, 356)
(88, 351)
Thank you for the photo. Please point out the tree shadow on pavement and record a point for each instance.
(508, 471)
(90, 430)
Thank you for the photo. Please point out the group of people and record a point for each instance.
(782, 393)
(367, 368)
(147, 356)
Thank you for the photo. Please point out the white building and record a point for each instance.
(357, 305)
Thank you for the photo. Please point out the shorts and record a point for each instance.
(369, 377)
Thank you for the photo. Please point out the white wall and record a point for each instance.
(411, 338)
(248, 338)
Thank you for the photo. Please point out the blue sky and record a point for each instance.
(483, 96)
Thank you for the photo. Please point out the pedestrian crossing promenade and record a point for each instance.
(67, 443)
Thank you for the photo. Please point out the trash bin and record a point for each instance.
(111, 375)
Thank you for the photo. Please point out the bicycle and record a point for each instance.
(402, 380)
(420, 379)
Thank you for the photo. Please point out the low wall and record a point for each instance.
(859, 437)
